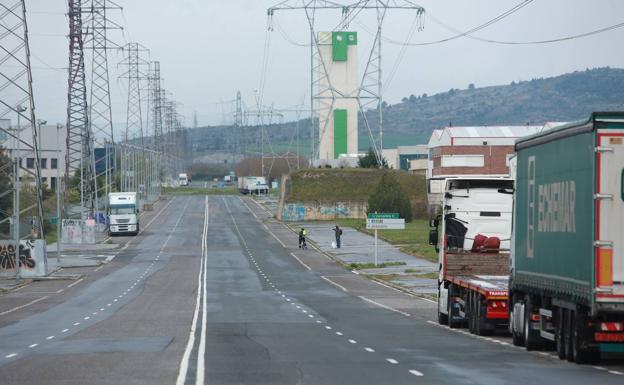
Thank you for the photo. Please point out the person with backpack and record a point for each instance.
(338, 234)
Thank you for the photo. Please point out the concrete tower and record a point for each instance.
(337, 92)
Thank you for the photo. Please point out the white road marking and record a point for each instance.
(33, 346)
(339, 333)
(416, 373)
(310, 315)
(328, 327)
(599, 368)
(384, 306)
(23, 306)
(87, 317)
(616, 372)
(300, 261)
(392, 361)
(370, 350)
(75, 283)
(305, 311)
(191, 341)
(319, 321)
(76, 323)
(11, 355)
(49, 338)
(352, 341)
(334, 283)
(64, 330)
(102, 309)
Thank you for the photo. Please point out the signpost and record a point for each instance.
(384, 221)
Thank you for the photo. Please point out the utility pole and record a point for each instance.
(133, 158)
(79, 138)
(17, 100)
(100, 113)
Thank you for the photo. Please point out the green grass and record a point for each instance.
(370, 265)
(414, 240)
(230, 190)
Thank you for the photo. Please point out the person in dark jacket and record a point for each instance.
(337, 234)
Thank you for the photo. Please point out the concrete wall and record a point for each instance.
(33, 257)
(316, 211)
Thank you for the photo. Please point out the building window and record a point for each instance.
(463, 161)
(44, 162)
(30, 162)
(44, 180)
(53, 163)
(53, 183)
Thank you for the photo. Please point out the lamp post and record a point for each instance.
(58, 195)
(18, 161)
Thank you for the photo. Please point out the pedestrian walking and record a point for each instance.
(302, 238)
(338, 234)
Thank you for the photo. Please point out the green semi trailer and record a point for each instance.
(566, 286)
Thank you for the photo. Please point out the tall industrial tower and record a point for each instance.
(132, 149)
(79, 140)
(17, 102)
(155, 92)
(100, 113)
(327, 94)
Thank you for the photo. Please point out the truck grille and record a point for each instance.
(123, 221)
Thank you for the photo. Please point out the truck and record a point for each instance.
(183, 179)
(252, 185)
(567, 278)
(472, 236)
(123, 213)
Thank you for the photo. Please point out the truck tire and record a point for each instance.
(560, 334)
(516, 335)
(481, 326)
(580, 353)
(442, 318)
(532, 340)
(453, 324)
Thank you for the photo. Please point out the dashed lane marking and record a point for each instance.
(33, 346)
(11, 355)
(370, 350)
(75, 283)
(416, 373)
(392, 361)
(23, 306)
(352, 341)
(300, 261)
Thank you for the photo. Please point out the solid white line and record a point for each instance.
(201, 359)
(416, 373)
(384, 306)
(334, 283)
(370, 350)
(392, 361)
(23, 306)
(191, 341)
(33, 345)
(274, 236)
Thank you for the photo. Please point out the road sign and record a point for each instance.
(385, 223)
(383, 215)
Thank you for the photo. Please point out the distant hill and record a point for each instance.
(562, 98)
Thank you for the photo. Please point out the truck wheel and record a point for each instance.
(531, 338)
(481, 328)
(516, 335)
(442, 318)
(560, 334)
(453, 324)
(580, 353)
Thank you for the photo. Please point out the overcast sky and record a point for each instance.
(209, 49)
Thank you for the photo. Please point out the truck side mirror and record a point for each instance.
(433, 237)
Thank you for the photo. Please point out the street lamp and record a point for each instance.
(58, 195)
(16, 201)
(40, 122)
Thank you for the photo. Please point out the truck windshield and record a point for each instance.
(122, 209)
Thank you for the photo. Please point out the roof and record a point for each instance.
(491, 131)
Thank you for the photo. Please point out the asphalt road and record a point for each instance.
(215, 291)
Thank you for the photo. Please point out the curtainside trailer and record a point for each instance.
(567, 280)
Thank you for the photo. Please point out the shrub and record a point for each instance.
(389, 197)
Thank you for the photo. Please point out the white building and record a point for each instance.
(51, 149)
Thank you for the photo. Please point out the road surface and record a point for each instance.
(215, 291)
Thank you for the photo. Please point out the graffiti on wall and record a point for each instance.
(8, 259)
(293, 212)
(338, 210)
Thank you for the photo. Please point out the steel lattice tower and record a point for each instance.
(156, 101)
(16, 101)
(369, 93)
(131, 163)
(79, 141)
(100, 113)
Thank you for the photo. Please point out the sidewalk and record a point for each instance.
(416, 274)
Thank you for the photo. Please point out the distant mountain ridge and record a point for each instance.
(566, 97)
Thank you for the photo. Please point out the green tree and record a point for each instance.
(389, 197)
(370, 160)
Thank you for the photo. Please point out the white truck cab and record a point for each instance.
(123, 213)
